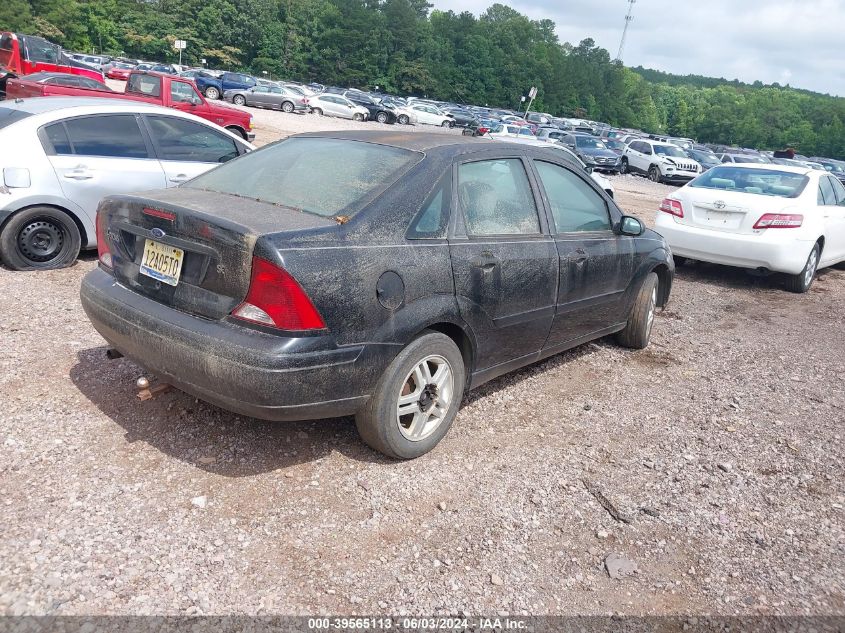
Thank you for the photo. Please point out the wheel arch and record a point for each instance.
(237, 129)
(664, 283)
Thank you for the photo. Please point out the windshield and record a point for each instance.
(669, 150)
(766, 182)
(9, 116)
(834, 167)
(588, 142)
(746, 158)
(323, 176)
(703, 156)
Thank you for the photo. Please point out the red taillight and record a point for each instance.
(275, 299)
(779, 221)
(483, 130)
(672, 207)
(103, 251)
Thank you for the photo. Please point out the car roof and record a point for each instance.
(414, 141)
(43, 105)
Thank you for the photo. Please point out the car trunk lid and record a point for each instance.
(728, 211)
(216, 233)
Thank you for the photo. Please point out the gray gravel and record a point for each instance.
(721, 442)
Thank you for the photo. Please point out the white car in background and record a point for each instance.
(431, 115)
(70, 152)
(337, 105)
(766, 217)
(660, 162)
(505, 131)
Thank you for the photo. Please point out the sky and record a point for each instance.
(795, 42)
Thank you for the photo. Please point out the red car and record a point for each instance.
(120, 71)
(28, 54)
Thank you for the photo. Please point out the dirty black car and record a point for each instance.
(372, 274)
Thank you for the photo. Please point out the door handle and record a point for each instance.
(486, 262)
(79, 174)
(579, 256)
(179, 178)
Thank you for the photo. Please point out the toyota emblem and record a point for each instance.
(719, 204)
(157, 232)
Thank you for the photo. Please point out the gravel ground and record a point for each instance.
(720, 444)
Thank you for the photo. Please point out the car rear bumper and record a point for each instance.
(237, 368)
(773, 249)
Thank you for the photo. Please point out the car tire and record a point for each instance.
(444, 124)
(212, 93)
(654, 174)
(239, 100)
(287, 106)
(403, 119)
(638, 330)
(39, 238)
(624, 169)
(379, 423)
(801, 282)
(317, 111)
(382, 117)
(357, 117)
(237, 131)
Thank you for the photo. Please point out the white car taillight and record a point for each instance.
(672, 207)
(779, 221)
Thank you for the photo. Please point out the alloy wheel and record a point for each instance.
(424, 398)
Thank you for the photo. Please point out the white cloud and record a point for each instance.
(787, 41)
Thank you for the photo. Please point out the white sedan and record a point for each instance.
(766, 217)
(70, 152)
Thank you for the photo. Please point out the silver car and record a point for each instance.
(70, 152)
(337, 105)
(273, 97)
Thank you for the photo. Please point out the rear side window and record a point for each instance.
(57, 139)
(576, 207)
(178, 139)
(144, 84)
(324, 176)
(433, 217)
(838, 191)
(826, 195)
(495, 198)
(114, 135)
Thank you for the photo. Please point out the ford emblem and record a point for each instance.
(719, 204)
(157, 232)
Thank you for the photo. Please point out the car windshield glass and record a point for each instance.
(766, 182)
(9, 116)
(591, 143)
(703, 156)
(746, 158)
(324, 176)
(669, 150)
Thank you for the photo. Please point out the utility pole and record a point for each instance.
(628, 18)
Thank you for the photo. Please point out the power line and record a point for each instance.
(628, 18)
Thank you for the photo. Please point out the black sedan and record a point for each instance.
(378, 111)
(374, 274)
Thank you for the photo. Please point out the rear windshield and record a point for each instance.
(324, 176)
(9, 116)
(767, 182)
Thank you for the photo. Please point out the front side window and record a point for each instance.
(188, 141)
(323, 176)
(495, 198)
(181, 92)
(113, 135)
(576, 207)
(826, 195)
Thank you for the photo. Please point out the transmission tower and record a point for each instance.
(628, 18)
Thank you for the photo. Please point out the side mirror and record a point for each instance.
(630, 225)
(588, 169)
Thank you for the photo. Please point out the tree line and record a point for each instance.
(404, 47)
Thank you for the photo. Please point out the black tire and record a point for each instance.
(679, 261)
(839, 266)
(624, 169)
(39, 238)
(357, 117)
(317, 111)
(403, 119)
(654, 174)
(444, 124)
(238, 131)
(801, 282)
(239, 100)
(287, 106)
(382, 117)
(212, 93)
(379, 423)
(638, 330)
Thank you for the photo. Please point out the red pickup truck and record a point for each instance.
(172, 92)
(27, 54)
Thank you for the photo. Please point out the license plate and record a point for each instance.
(162, 262)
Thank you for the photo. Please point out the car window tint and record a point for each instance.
(85, 82)
(57, 139)
(182, 140)
(575, 205)
(433, 217)
(838, 191)
(181, 92)
(114, 135)
(144, 84)
(495, 198)
(826, 195)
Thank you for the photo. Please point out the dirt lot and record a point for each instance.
(721, 444)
